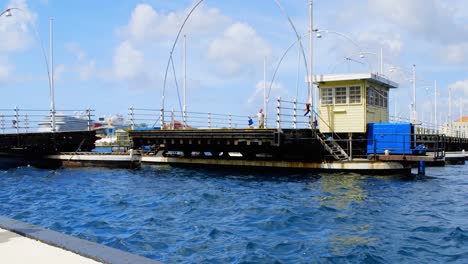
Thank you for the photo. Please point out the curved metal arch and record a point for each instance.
(299, 40)
(281, 61)
(39, 39)
(280, 6)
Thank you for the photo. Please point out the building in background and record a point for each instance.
(459, 128)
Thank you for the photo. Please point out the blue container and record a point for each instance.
(397, 138)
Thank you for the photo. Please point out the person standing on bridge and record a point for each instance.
(261, 118)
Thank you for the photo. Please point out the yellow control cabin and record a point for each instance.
(348, 102)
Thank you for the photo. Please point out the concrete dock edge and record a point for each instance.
(81, 247)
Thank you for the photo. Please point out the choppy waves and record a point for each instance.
(206, 216)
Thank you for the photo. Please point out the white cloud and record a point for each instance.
(59, 71)
(460, 86)
(85, 67)
(432, 28)
(17, 31)
(87, 70)
(455, 53)
(128, 62)
(146, 24)
(256, 97)
(238, 48)
(4, 68)
(428, 19)
(391, 42)
(75, 48)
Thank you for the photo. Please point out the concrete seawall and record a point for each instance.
(25, 243)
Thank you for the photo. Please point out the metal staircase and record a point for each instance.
(332, 147)
(328, 142)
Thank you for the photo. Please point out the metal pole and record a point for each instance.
(450, 112)
(16, 120)
(161, 118)
(132, 117)
(264, 92)
(435, 106)
(295, 114)
(413, 107)
(311, 51)
(52, 99)
(88, 112)
(26, 123)
(278, 113)
(381, 62)
(172, 119)
(209, 120)
(185, 80)
(230, 121)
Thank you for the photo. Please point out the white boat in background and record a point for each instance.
(77, 122)
(111, 130)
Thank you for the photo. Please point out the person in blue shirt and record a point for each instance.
(251, 122)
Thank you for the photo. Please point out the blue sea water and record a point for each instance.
(215, 216)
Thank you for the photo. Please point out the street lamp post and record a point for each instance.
(413, 104)
(312, 97)
(7, 12)
(363, 55)
(52, 93)
(50, 77)
(413, 113)
(435, 107)
(298, 41)
(449, 121)
(319, 35)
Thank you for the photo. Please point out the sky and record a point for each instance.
(111, 55)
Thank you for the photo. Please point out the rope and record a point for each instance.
(62, 166)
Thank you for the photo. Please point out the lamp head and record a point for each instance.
(319, 35)
(8, 13)
(362, 56)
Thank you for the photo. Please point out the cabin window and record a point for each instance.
(327, 96)
(340, 95)
(377, 97)
(385, 99)
(370, 96)
(355, 94)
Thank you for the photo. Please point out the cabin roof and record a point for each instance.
(371, 77)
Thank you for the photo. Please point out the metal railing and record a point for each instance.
(423, 127)
(157, 119)
(18, 120)
(288, 115)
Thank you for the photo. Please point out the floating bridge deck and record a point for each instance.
(288, 144)
(47, 142)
